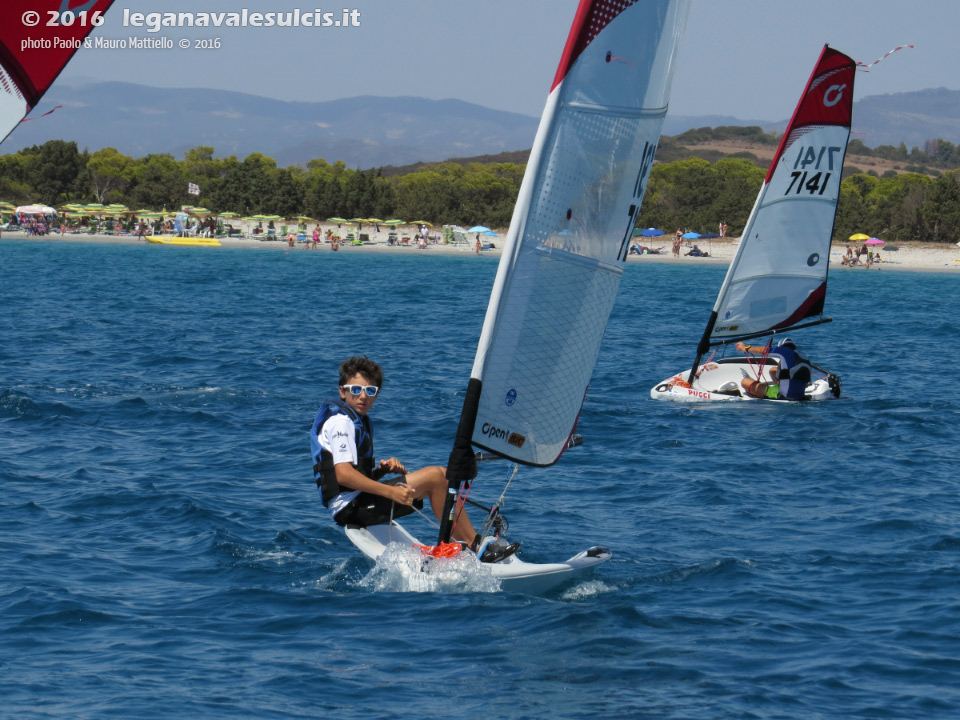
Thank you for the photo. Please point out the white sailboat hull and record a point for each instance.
(720, 382)
(514, 574)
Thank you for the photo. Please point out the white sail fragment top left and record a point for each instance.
(570, 232)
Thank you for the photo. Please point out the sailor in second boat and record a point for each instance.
(347, 476)
(793, 373)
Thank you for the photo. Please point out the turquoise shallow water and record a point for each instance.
(163, 553)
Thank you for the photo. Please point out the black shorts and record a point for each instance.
(369, 509)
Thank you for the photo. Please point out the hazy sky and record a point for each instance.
(747, 58)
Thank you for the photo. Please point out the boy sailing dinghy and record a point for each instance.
(25, 75)
(777, 281)
(562, 262)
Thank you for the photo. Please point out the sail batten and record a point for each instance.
(563, 256)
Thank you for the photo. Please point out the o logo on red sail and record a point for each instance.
(833, 95)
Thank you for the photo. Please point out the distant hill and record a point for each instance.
(361, 131)
(911, 118)
(371, 131)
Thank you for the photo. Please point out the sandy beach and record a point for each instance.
(916, 256)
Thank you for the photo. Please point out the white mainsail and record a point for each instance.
(779, 274)
(568, 239)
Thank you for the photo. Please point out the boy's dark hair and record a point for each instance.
(362, 365)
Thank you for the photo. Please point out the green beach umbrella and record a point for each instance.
(337, 220)
(420, 222)
(394, 223)
(229, 214)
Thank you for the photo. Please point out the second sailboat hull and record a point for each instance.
(720, 382)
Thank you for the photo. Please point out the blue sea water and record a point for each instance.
(163, 553)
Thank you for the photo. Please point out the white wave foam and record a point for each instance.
(402, 568)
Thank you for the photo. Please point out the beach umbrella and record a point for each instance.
(859, 236)
(337, 220)
(649, 232)
(229, 214)
(420, 222)
(304, 218)
(479, 229)
(490, 233)
(199, 211)
(375, 221)
(690, 236)
(36, 210)
(6, 205)
(94, 208)
(395, 222)
(874, 241)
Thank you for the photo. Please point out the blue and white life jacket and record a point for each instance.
(323, 467)
(794, 373)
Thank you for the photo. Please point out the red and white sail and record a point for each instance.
(577, 207)
(37, 40)
(779, 274)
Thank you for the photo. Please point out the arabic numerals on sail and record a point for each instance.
(813, 168)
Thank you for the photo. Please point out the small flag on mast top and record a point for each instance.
(193, 189)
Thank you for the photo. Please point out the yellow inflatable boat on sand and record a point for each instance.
(182, 241)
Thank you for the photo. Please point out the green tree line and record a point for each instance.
(57, 172)
(689, 193)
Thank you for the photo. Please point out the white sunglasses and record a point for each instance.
(370, 390)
